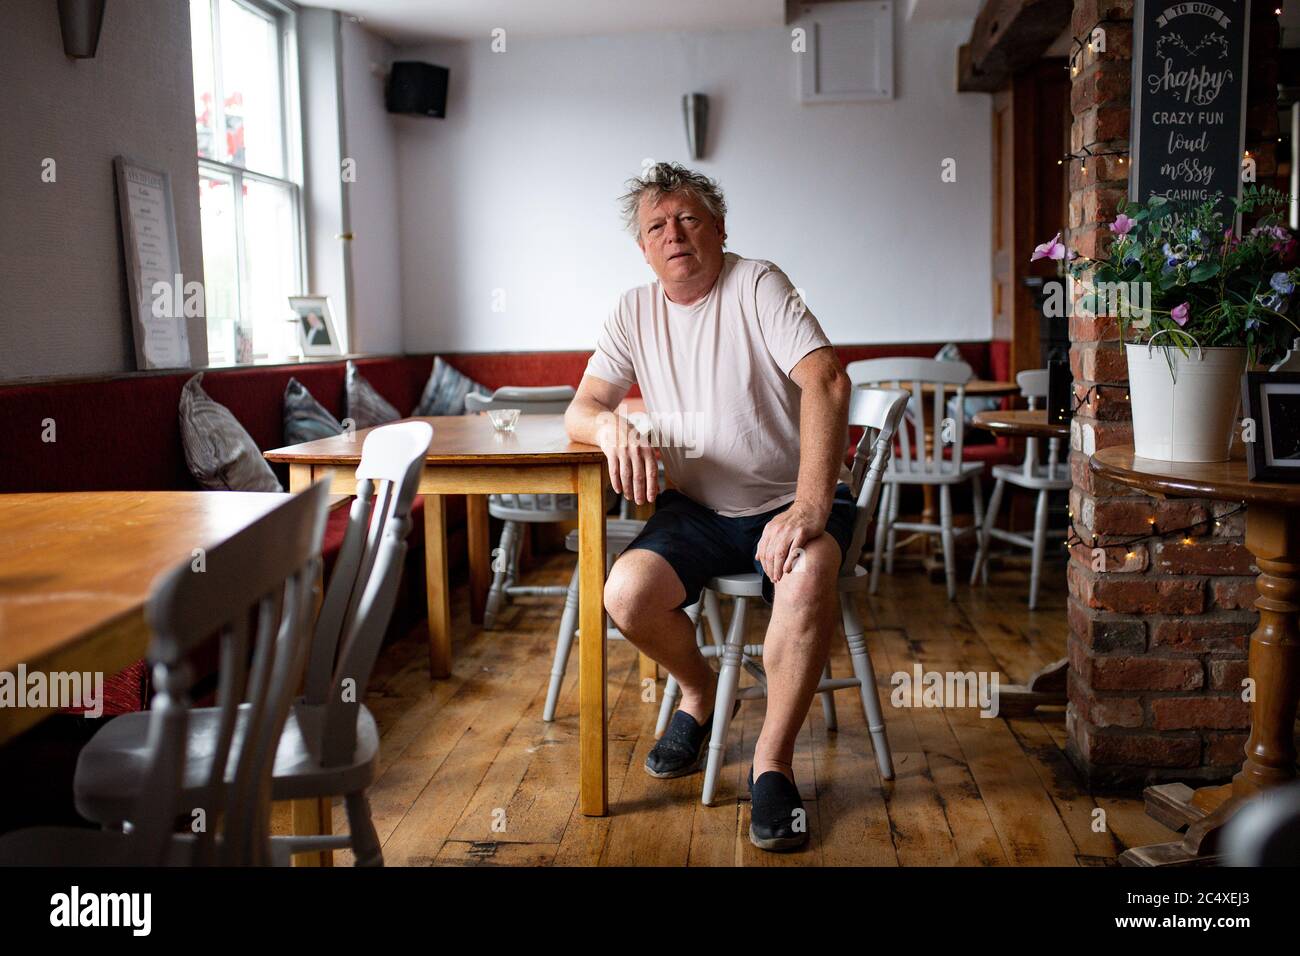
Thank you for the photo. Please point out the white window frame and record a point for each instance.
(285, 17)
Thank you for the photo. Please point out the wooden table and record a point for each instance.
(77, 567)
(1047, 687)
(980, 388)
(1273, 537)
(468, 457)
(1020, 423)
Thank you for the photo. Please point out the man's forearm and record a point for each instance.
(823, 433)
(585, 419)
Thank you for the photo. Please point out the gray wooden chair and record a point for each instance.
(928, 456)
(256, 592)
(879, 412)
(517, 510)
(619, 533)
(330, 743)
(1032, 475)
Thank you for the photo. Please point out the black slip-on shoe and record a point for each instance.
(682, 749)
(777, 820)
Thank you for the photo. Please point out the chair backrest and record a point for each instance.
(540, 400)
(255, 591)
(1033, 384)
(879, 412)
(537, 400)
(363, 587)
(921, 447)
(1033, 387)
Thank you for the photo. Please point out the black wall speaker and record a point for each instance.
(418, 89)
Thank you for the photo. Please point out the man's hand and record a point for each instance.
(786, 535)
(633, 468)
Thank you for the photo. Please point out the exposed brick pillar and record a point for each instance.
(1158, 638)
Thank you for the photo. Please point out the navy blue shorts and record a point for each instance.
(700, 544)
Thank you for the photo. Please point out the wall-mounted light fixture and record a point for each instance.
(80, 21)
(695, 110)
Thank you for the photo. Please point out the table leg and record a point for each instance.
(480, 555)
(647, 668)
(438, 593)
(1273, 537)
(593, 758)
(312, 817)
(299, 478)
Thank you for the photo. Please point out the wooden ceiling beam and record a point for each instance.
(1008, 36)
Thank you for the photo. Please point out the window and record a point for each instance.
(246, 117)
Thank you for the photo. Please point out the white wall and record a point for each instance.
(370, 138)
(63, 301)
(516, 189)
(325, 211)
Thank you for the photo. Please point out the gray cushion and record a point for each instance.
(221, 455)
(444, 393)
(366, 407)
(306, 419)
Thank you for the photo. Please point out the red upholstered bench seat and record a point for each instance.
(121, 433)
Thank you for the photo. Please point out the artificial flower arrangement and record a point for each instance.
(1207, 285)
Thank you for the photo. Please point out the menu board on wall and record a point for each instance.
(1189, 99)
(144, 197)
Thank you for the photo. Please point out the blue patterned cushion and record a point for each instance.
(366, 407)
(444, 393)
(306, 419)
(221, 455)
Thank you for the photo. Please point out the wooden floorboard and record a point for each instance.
(470, 774)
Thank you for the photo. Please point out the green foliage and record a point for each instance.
(1200, 280)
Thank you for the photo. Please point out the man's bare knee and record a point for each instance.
(811, 583)
(642, 584)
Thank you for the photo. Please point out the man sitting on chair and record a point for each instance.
(726, 343)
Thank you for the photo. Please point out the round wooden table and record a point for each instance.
(1273, 537)
(1020, 423)
(1048, 686)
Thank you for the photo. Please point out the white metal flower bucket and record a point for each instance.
(1184, 403)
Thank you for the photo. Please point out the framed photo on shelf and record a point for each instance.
(316, 333)
(1271, 402)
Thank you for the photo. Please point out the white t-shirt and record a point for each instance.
(715, 376)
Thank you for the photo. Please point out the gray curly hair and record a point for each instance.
(663, 178)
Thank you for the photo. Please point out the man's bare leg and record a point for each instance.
(642, 596)
(804, 611)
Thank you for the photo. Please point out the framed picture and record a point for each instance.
(316, 332)
(1272, 403)
(161, 301)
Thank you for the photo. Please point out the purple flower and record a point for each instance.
(1254, 322)
(1282, 283)
(1179, 314)
(1049, 250)
(1122, 225)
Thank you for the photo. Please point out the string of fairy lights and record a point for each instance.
(1074, 536)
(1079, 49)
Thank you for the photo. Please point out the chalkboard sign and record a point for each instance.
(1189, 99)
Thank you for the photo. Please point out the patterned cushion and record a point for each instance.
(366, 407)
(306, 419)
(220, 454)
(445, 391)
